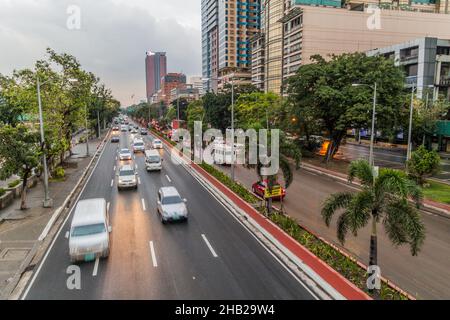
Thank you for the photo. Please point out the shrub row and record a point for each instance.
(346, 266)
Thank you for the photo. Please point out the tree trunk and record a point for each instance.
(23, 196)
(373, 258)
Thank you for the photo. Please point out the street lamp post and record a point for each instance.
(409, 149)
(48, 202)
(372, 135)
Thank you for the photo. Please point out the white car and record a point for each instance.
(157, 144)
(153, 160)
(89, 231)
(170, 205)
(124, 128)
(138, 145)
(127, 177)
(124, 154)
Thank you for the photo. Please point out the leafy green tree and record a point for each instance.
(195, 112)
(383, 198)
(322, 91)
(423, 163)
(19, 151)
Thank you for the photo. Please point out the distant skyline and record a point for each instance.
(112, 41)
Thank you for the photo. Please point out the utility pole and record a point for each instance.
(232, 131)
(87, 130)
(372, 135)
(408, 154)
(48, 202)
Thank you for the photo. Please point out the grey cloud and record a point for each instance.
(112, 40)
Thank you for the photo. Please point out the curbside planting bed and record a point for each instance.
(343, 263)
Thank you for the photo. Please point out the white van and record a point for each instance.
(89, 231)
(222, 154)
(153, 160)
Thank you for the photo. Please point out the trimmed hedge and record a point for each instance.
(226, 180)
(346, 266)
(2, 192)
(335, 259)
(14, 183)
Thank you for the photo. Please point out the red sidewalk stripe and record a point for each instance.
(328, 274)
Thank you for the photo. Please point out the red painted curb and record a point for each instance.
(328, 274)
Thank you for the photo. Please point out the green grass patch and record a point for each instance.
(2, 192)
(437, 191)
(14, 183)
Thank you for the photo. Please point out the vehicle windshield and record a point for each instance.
(153, 159)
(124, 151)
(156, 141)
(138, 144)
(171, 200)
(88, 230)
(124, 173)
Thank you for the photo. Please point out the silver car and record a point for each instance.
(89, 231)
(124, 154)
(138, 145)
(127, 177)
(170, 205)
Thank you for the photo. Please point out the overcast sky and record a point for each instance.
(111, 42)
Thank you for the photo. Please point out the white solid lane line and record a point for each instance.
(114, 169)
(112, 182)
(94, 273)
(67, 234)
(209, 246)
(152, 251)
(168, 178)
(139, 180)
(143, 204)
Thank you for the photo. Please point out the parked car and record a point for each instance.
(170, 205)
(260, 187)
(124, 154)
(127, 177)
(89, 231)
(153, 160)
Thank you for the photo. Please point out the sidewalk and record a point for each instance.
(20, 230)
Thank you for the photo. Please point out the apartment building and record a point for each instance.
(227, 27)
(310, 30)
(168, 82)
(426, 62)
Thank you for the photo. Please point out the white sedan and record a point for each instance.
(157, 144)
(124, 154)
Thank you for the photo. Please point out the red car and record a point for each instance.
(259, 188)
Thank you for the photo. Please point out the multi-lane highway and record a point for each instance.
(212, 256)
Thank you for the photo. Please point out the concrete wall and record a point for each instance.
(329, 30)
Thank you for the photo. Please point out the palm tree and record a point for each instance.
(384, 198)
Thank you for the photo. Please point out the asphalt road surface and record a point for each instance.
(210, 257)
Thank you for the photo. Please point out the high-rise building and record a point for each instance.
(227, 27)
(294, 30)
(155, 69)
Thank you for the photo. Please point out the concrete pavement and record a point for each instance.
(149, 260)
(20, 230)
(426, 276)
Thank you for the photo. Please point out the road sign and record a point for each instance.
(275, 192)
